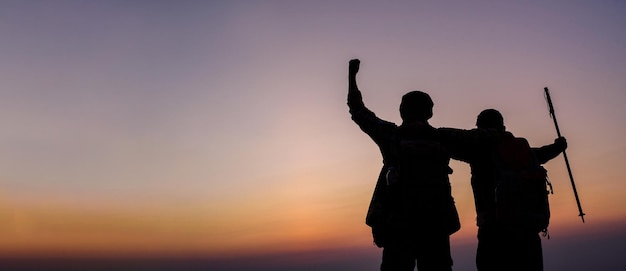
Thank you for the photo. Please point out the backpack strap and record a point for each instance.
(392, 158)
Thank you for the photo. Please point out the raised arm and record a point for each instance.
(355, 99)
(369, 123)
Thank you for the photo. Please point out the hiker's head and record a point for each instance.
(490, 118)
(416, 105)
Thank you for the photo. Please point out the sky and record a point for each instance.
(220, 129)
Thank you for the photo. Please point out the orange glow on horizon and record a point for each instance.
(299, 221)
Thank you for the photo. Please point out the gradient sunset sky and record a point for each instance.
(220, 128)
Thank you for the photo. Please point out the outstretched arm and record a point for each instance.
(464, 144)
(549, 152)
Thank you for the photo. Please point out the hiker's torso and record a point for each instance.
(422, 195)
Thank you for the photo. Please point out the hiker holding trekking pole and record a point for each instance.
(511, 197)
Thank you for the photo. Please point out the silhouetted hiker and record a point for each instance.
(508, 239)
(412, 212)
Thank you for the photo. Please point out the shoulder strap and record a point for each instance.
(394, 144)
(391, 159)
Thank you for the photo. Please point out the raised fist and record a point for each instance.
(354, 66)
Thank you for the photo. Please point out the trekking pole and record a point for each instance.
(558, 132)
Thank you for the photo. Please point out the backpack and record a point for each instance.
(521, 192)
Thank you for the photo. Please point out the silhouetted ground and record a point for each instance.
(589, 252)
